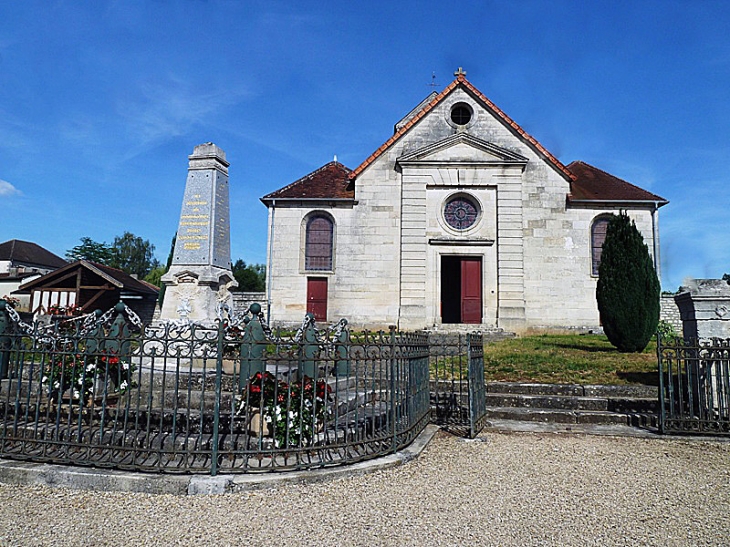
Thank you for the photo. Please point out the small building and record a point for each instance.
(21, 262)
(88, 286)
(460, 217)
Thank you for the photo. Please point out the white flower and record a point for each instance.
(76, 394)
(80, 382)
(125, 366)
(123, 385)
(57, 385)
(90, 367)
(44, 379)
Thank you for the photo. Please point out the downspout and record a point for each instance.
(655, 240)
(269, 260)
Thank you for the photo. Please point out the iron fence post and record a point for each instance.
(308, 350)
(394, 444)
(252, 348)
(5, 342)
(217, 402)
(662, 410)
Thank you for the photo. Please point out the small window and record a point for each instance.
(598, 236)
(318, 249)
(461, 114)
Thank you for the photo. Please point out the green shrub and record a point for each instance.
(628, 288)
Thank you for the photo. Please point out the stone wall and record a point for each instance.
(670, 313)
(242, 300)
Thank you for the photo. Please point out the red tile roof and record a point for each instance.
(328, 182)
(462, 81)
(593, 184)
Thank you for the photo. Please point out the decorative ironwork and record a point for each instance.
(694, 389)
(182, 397)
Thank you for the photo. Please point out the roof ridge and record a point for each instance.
(461, 80)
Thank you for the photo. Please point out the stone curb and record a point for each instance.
(96, 479)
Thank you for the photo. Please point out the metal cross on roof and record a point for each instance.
(460, 72)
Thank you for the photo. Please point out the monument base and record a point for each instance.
(193, 292)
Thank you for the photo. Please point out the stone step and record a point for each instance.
(566, 402)
(564, 416)
(576, 390)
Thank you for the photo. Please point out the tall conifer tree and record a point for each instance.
(628, 288)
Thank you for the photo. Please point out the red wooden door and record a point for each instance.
(317, 297)
(471, 290)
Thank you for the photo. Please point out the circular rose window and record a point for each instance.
(460, 213)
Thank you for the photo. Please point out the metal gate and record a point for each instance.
(694, 388)
(458, 392)
(477, 388)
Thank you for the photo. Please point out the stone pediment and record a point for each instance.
(186, 276)
(462, 149)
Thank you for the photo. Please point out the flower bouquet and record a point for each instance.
(291, 412)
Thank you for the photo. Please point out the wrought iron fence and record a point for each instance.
(105, 391)
(694, 387)
(458, 391)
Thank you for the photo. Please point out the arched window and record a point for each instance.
(598, 236)
(318, 248)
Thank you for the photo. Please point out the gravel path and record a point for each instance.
(502, 489)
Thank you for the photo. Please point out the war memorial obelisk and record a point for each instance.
(200, 273)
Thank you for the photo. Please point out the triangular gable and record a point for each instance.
(62, 273)
(463, 147)
(113, 276)
(461, 81)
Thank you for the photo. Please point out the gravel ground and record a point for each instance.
(501, 489)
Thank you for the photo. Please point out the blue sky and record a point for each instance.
(102, 102)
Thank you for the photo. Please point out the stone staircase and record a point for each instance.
(632, 405)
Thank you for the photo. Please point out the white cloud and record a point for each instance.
(171, 106)
(7, 189)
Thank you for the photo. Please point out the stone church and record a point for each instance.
(460, 217)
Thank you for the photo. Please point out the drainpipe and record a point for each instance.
(268, 261)
(655, 240)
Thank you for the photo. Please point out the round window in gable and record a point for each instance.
(461, 213)
(461, 114)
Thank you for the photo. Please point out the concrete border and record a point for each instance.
(99, 479)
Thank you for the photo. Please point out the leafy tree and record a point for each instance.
(726, 277)
(251, 277)
(133, 255)
(628, 288)
(155, 276)
(162, 286)
(90, 250)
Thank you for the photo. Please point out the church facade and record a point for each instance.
(460, 217)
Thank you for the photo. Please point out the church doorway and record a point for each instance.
(461, 289)
(317, 297)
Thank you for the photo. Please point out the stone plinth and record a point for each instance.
(704, 305)
(200, 274)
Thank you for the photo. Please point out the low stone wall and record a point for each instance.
(242, 300)
(670, 313)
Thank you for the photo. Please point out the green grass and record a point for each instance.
(568, 359)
